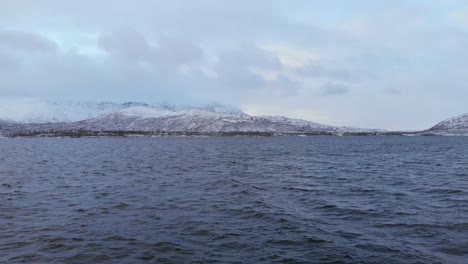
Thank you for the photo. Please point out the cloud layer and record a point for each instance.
(399, 65)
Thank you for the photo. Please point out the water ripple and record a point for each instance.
(234, 200)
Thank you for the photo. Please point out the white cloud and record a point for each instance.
(292, 57)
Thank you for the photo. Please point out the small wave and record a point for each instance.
(446, 191)
(377, 248)
(301, 189)
(456, 250)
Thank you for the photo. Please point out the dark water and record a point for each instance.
(234, 200)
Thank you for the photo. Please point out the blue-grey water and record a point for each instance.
(234, 200)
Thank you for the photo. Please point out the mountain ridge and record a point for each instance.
(49, 111)
(143, 118)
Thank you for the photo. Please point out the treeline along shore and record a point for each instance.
(86, 133)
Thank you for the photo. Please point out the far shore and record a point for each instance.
(125, 134)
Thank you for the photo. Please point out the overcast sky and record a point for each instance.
(366, 63)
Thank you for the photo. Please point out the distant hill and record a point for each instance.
(141, 117)
(457, 126)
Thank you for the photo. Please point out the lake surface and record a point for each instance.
(234, 200)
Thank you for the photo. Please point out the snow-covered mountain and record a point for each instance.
(44, 117)
(7, 127)
(140, 117)
(198, 120)
(452, 126)
(39, 111)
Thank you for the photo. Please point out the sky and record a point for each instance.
(400, 64)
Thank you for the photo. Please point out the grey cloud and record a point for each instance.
(233, 68)
(250, 55)
(176, 51)
(25, 41)
(118, 76)
(318, 69)
(234, 72)
(376, 61)
(134, 46)
(334, 89)
(392, 91)
(7, 62)
(128, 44)
(284, 86)
(238, 78)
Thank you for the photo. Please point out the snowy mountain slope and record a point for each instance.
(152, 119)
(141, 117)
(7, 127)
(37, 111)
(453, 126)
